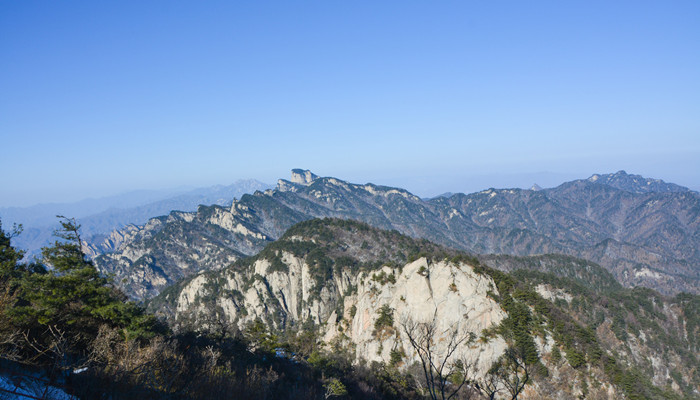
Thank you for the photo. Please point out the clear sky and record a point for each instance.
(98, 98)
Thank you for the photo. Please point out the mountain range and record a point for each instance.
(518, 293)
(101, 216)
(645, 232)
(365, 291)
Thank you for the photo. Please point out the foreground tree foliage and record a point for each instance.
(63, 299)
(51, 311)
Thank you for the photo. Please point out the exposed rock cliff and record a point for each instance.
(149, 258)
(360, 288)
(347, 307)
(303, 177)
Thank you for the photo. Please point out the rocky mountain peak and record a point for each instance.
(635, 183)
(303, 176)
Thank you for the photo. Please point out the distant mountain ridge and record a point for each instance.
(648, 238)
(45, 214)
(99, 217)
(636, 183)
(221, 195)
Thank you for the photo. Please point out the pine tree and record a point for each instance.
(73, 288)
(10, 257)
(10, 272)
(69, 293)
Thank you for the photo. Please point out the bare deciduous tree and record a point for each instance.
(510, 372)
(445, 374)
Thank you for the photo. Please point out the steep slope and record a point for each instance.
(361, 288)
(106, 221)
(656, 337)
(650, 238)
(169, 248)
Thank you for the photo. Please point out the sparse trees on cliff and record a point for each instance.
(445, 373)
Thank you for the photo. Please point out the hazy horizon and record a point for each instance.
(422, 186)
(100, 99)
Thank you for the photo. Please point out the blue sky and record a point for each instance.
(98, 98)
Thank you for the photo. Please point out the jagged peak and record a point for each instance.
(303, 176)
(302, 179)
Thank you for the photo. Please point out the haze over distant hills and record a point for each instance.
(645, 234)
(45, 213)
(101, 216)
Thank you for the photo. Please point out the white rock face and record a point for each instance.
(303, 177)
(189, 293)
(373, 190)
(284, 186)
(451, 294)
(552, 294)
(113, 242)
(227, 220)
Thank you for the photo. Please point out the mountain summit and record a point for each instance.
(303, 176)
(636, 183)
